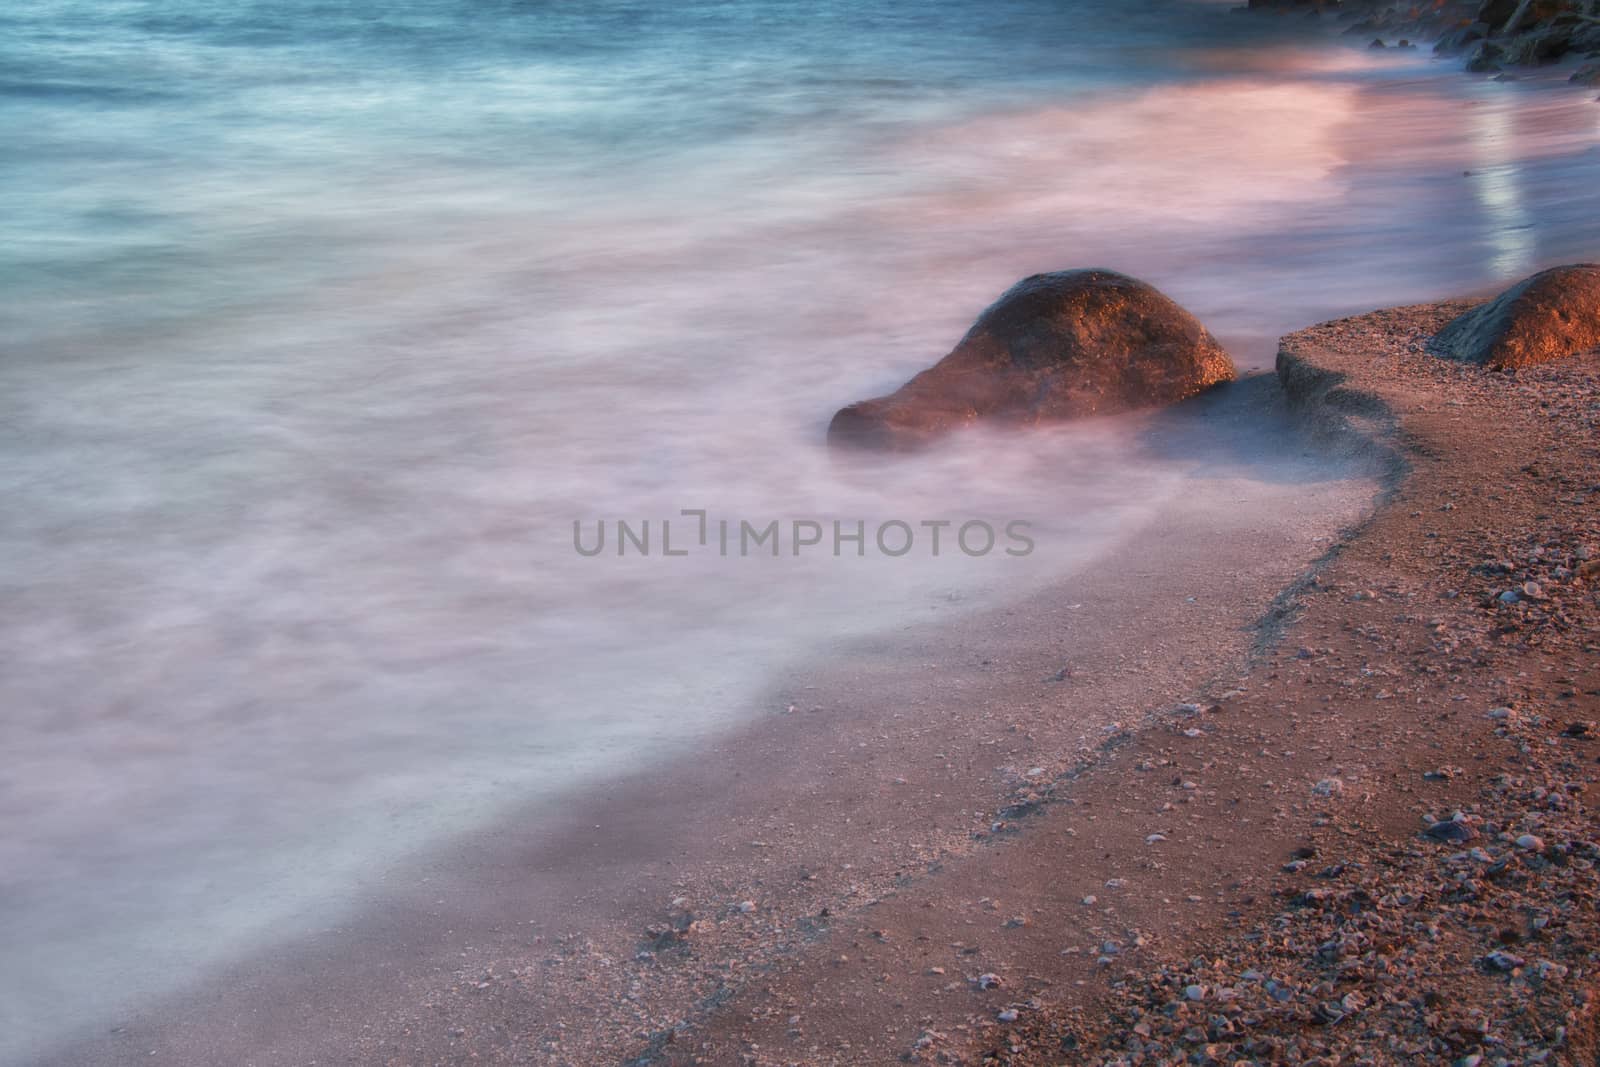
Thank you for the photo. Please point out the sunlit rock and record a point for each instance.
(1055, 346)
(1551, 315)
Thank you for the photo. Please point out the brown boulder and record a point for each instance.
(1054, 346)
(1551, 315)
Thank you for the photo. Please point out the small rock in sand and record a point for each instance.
(1448, 831)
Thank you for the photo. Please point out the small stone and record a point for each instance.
(1328, 787)
(1008, 1016)
(1090, 901)
(1548, 971)
(1531, 842)
(1449, 831)
(1503, 961)
(989, 981)
(1194, 992)
(747, 906)
(1155, 839)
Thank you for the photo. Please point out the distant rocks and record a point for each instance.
(1515, 34)
(1054, 346)
(1549, 316)
(1492, 34)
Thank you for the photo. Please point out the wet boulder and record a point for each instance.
(1551, 315)
(1496, 13)
(1054, 346)
(1461, 39)
(1544, 45)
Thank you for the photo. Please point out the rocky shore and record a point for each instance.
(1491, 36)
(1433, 895)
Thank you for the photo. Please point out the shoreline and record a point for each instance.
(1370, 938)
(1065, 901)
(1169, 885)
(901, 757)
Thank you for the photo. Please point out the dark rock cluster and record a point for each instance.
(1492, 35)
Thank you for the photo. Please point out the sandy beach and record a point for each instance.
(1027, 838)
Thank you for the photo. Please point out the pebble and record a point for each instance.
(1154, 838)
(1547, 970)
(1531, 842)
(1450, 831)
(1194, 992)
(989, 981)
(1090, 901)
(1501, 960)
(1008, 1016)
(1328, 787)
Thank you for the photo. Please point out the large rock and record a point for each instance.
(1538, 47)
(1460, 39)
(1496, 13)
(1549, 316)
(1055, 346)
